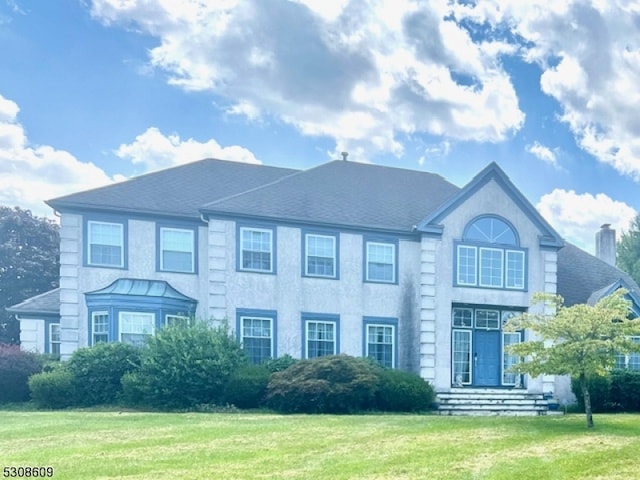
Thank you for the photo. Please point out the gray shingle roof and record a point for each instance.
(177, 191)
(581, 275)
(47, 303)
(344, 193)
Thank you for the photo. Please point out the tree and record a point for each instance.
(628, 251)
(29, 262)
(581, 340)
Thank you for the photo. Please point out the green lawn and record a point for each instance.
(102, 445)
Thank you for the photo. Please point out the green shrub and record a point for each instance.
(599, 392)
(97, 372)
(16, 366)
(400, 391)
(247, 386)
(625, 390)
(281, 363)
(183, 366)
(331, 384)
(52, 389)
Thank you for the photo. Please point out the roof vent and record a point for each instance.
(344, 155)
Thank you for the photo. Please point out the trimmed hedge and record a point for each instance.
(617, 392)
(400, 391)
(330, 384)
(16, 366)
(53, 389)
(247, 386)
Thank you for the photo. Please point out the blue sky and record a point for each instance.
(93, 92)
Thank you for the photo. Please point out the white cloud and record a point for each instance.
(31, 173)
(362, 73)
(578, 216)
(543, 153)
(590, 56)
(156, 151)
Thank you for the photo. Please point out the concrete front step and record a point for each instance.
(475, 401)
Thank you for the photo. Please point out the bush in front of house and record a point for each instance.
(625, 390)
(97, 372)
(16, 366)
(247, 386)
(330, 384)
(53, 389)
(281, 363)
(400, 391)
(183, 366)
(599, 391)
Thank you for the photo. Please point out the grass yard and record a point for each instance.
(108, 444)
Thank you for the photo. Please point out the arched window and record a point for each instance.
(489, 255)
(491, 230)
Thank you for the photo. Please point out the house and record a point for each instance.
(394, 264)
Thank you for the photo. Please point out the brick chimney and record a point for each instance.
(606, 244)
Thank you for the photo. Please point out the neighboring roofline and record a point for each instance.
(609, 289)
(431, 223)
(16, 311)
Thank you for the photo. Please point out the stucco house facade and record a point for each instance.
(394, 264)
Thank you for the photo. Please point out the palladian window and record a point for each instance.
(490, 256)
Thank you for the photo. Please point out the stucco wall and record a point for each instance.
(290, 294)
(438, 254)
(32, 335)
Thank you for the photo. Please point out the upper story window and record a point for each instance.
(177, 249)
(320, 255)
(381, 263)
(489, 256)
(105, 244)
(256, 252)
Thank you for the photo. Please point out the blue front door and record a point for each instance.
(486, 358)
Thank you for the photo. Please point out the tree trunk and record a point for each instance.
(587, 400)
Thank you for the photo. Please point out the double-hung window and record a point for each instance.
(177, 250)
(135, 327)
(380, 341)
(321, 335)
(320, 257)
(629, 360)
(105, 244)
(489, 256)
(257, 338)
(256, 249)
(380, 262)
(54, 338)
(99, 327)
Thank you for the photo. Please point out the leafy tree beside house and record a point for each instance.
(29, 262)
(581, 340)
(628, 251)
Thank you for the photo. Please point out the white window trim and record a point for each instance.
(257, 317)
(90, 223)
(453, 373)
(307, 339)
(393, 340)
(503, 370)
(506, 269)
(174, 316)
(393, 262)
(149, 314)
(93, 325)
(475, 276)
(192, 251)
(51, 342)
(306, 255)
(462, 309)
(479, 267)
(255, 229)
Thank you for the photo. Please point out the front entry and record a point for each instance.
(486, 358)
(478, 347)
